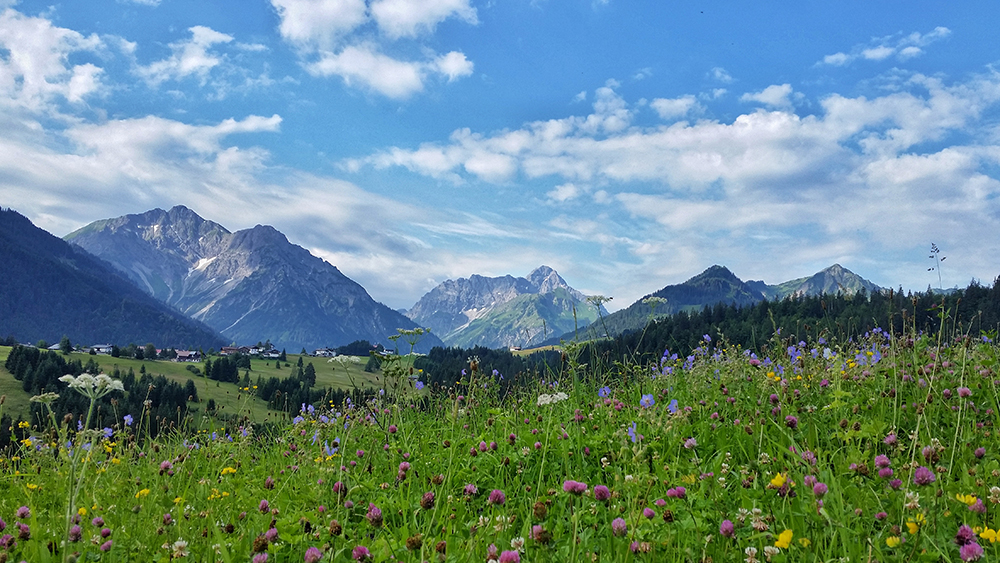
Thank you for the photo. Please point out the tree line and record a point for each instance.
(39, 372)
(839, 317)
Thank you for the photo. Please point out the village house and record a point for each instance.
(188, 356)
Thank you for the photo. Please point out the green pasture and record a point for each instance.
(345, 372)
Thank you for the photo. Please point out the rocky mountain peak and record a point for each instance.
(498, 311)
(546, 280)
(250, 285)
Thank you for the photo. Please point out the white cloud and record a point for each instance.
(252, 47)
(878, 53)
(785, 180)
(581, 97)
(564, 192)
(902, 47)
(363, 66)
(673, 108)
(319, 24)
(411, 18)
(837, 59)
(350, 39)
(642, 73)
(454, 65)
(775, 96)
(35, 72)
(720, 74)
(188, 58)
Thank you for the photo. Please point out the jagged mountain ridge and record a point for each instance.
(250, 285)
(502, 311)
(719, 285)
(51, 288)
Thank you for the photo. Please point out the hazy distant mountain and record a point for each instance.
(251, 285)
(50, 288)
(834, 279)
(718, 285)
(502, 311)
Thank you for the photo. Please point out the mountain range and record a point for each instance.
(189, 280)
(248, 285)
(502, 311)
(719, 285)
(50, 289)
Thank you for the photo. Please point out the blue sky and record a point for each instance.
(629, 145)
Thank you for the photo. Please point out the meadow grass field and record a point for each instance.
(882, 448)
(345, 372)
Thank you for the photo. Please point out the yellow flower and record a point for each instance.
(32, 486)
(26, 442)
(784, 539)
(23, 424)
(228, 470)
(913, 524)
(778, 481)
(989, 534)
(967, 499)
(115, 460)
(178, 500)
(804, 542)
(82, 511)
(142, 493)
(893, 541)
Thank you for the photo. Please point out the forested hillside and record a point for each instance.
(51, 289)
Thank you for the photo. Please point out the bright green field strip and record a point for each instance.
(228, 397)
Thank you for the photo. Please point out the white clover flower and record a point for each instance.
(552, 399)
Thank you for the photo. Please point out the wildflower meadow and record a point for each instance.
(876, 448)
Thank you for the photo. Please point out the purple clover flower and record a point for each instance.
(574, 487)
(497, 497)
(601, 493)
(923, 476)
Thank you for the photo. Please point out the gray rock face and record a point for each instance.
(251, 285)
(501, 311)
